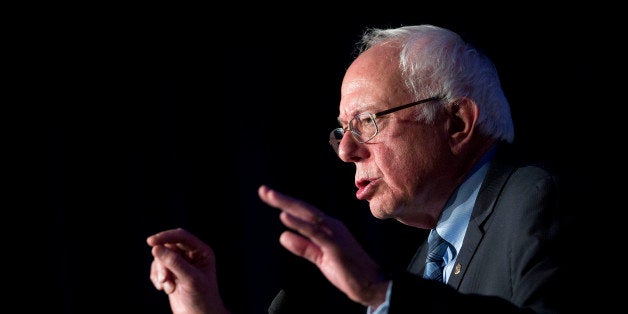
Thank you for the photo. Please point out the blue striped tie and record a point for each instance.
(435, 261)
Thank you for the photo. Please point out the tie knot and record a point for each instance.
(437, 249)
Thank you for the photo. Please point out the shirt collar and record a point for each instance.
(454, 220)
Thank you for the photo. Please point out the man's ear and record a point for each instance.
(462, 116)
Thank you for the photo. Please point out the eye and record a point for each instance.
(364, 118)
(368, 119)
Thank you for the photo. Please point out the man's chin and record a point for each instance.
(379, 212)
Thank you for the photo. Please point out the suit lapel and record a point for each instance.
(496, 177)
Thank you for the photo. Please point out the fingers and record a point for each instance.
(319, 228)
(301, 246)
(328, 244)
(300, 216)
(180, 236)
(179, 256)
(292, 206)
(160, 276)
(314, 231)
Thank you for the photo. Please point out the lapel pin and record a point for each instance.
(457, 270)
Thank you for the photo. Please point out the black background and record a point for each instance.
(152, 118)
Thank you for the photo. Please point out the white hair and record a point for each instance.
(435, 61)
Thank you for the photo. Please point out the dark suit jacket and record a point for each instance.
(510, 258)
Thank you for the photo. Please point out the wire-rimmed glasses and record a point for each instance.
(364, 127)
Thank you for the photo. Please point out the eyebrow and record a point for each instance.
(369, 109)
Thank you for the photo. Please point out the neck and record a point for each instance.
(432, 207)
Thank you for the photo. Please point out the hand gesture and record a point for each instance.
(185, 268)
(328, 244)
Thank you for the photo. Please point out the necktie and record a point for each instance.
(435, 261)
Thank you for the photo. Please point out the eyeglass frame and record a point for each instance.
(335, 142)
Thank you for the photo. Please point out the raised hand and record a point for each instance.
(184, 267)
(328, 244)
